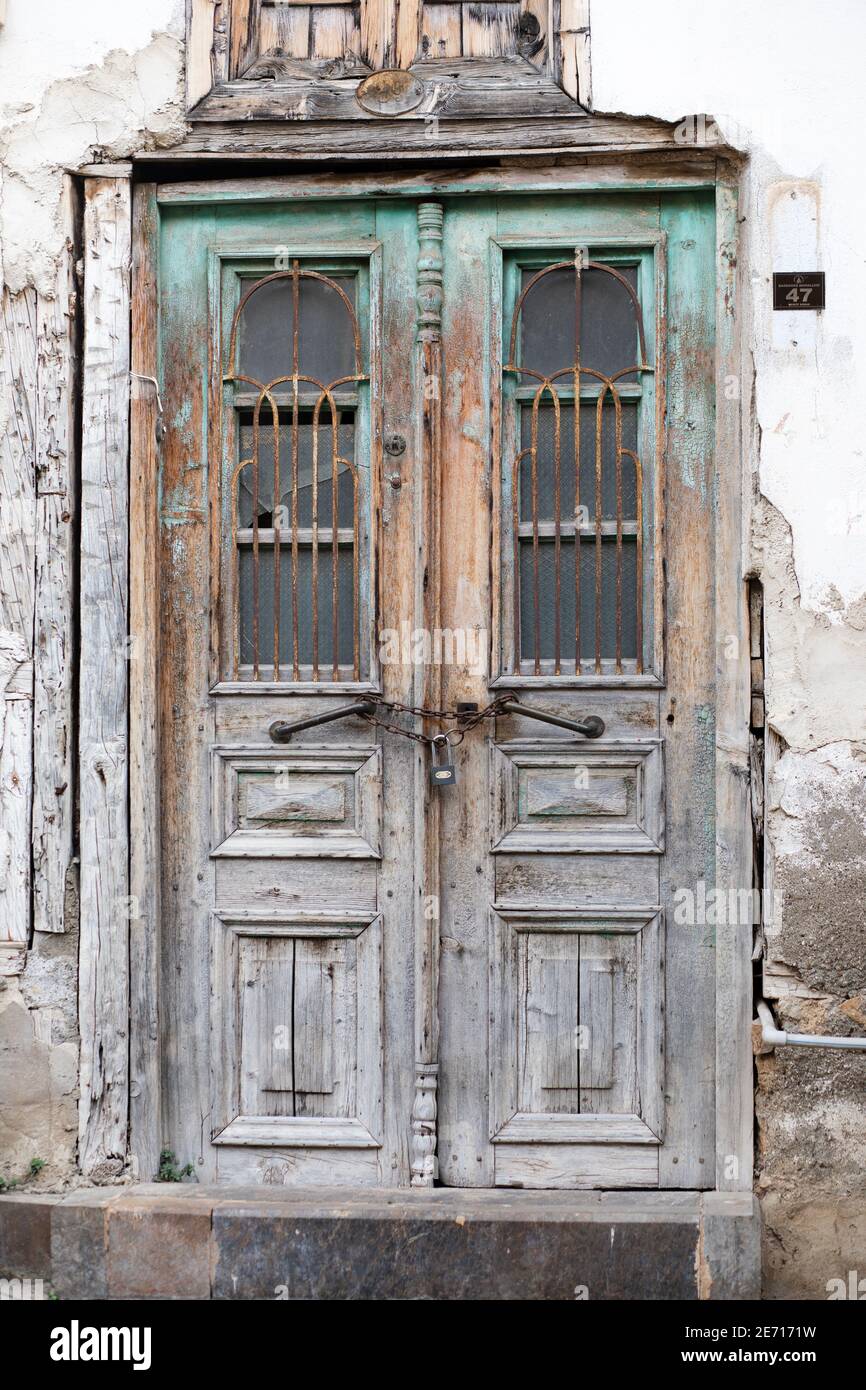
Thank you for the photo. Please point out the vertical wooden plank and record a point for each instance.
(466, 1155)
(314, 1017)
(441, 31)
(190, 356)
(609, 1010)
(596, 1017)
(408, 31)
(276, 987)
(286, 27)
(377, 32)
(334, 32)
(384, 950)
(573, 42)
(144, 610)
(200, 16)
(489, 30)
(552, 1011)
(244, 35)
(103, 681)
(734, 846)
(18, 369)
(688, 1156)
(540, 9)
(427, 688)
(54, 668)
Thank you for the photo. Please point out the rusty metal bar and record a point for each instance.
(356, 581)
(598, 519)
(281, 731)
(255, 519)
(236, 576)
(314, 557)
(617, 408)
(591, 726)
(578, 309)
(569, 265)
(578, 370)
(533, 466)
(515, 521)
(638, 472)
(325, 394)
(295, 368)
(557, 543)
(335, 563)
(276, 521)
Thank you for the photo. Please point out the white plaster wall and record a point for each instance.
(74, 78)
(784, 80)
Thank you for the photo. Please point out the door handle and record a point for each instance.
(281, 732)
(590, 726)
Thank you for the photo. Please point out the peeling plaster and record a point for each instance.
(129, 99)
(76, 85)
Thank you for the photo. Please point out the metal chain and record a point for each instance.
(465, 721)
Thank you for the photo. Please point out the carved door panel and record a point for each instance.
(414, 457)
(577, 1020)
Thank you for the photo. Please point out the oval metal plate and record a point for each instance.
(390, 92)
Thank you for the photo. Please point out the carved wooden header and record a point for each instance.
(244, 49)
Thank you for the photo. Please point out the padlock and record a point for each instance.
(443, 773)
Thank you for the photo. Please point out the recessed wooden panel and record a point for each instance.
(297, 1030)
(576, 1026)
(556, 797)
(268, 800)
(304, 802)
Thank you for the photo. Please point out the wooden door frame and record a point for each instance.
(108, 1012)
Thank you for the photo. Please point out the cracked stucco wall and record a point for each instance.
(77, 83)
(784, 86)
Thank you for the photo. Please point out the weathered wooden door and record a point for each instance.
(414, 457)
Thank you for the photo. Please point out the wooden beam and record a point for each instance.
(144, 600)
(18, 364)
(103, 682)
(54, 870)
(573, 42)
(408, 31)
(734, 849)
(200, 16)
(244, 35)
(377, 32)
(427, 688)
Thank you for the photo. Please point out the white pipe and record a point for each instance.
(775, 1037)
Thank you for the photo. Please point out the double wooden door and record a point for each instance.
(421, 455)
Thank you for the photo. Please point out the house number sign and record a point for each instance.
(798, 289)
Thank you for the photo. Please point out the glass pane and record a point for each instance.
(305, 606)
(608, 325)
(326, 346)
(547, 600)
(345, 450)
(546, 458)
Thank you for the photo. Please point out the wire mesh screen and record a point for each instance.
(577, 352)
(296, 368)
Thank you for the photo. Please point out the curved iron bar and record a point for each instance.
(267, 393)
(607, 387)
(295, 274)
(578, 269)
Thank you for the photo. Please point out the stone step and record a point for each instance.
(195, 1242)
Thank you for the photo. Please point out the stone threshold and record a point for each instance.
(190, 1241)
